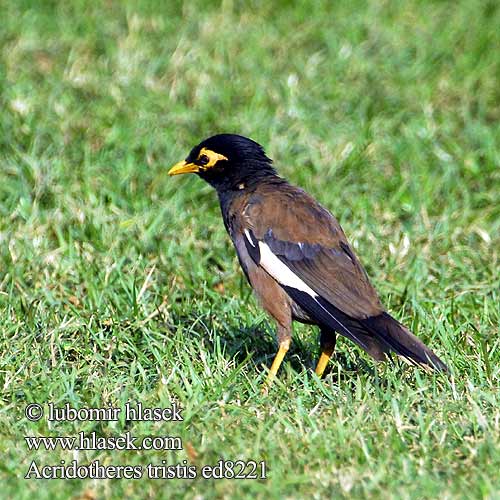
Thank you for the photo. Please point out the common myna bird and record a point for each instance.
(296, 256)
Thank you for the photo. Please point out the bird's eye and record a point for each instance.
(203, 159)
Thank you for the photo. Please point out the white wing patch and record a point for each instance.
(279, 271)
(249, 238)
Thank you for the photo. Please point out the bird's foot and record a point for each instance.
(326, 354)
(278, 359)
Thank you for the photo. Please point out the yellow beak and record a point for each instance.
(183, 168)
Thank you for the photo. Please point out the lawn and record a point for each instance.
(119, 284)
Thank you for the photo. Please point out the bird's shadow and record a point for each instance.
(260, 343)
(257, 342)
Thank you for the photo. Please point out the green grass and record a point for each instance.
(118, 283)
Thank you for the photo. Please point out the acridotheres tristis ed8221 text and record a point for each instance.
(296, 256)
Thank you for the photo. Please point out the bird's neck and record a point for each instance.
(239, 181)
(243, 187)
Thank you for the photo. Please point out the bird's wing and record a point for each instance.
(301, 244)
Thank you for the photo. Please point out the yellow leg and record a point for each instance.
(284, 346)
(323, 361)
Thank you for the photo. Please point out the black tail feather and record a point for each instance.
(402, 341)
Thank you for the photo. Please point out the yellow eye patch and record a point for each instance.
(208, 158)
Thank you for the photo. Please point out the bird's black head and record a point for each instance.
(227, 162)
